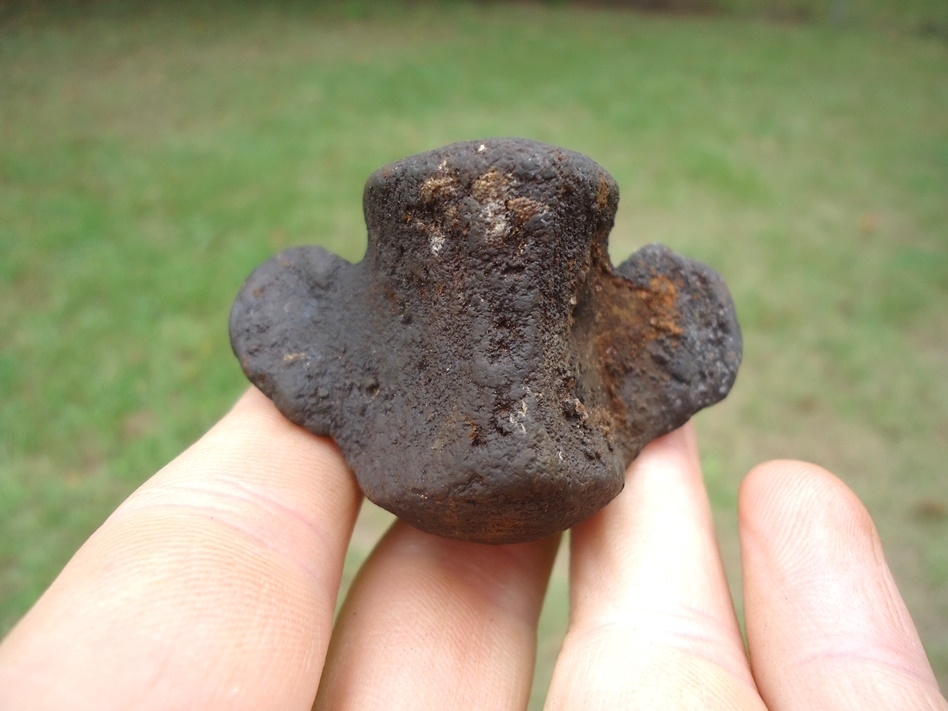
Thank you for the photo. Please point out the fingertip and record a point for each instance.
(678, 446)
(257, 441)
(780, 474)
(792, 496)
(823, 613)
(253, 411)
(252, 403)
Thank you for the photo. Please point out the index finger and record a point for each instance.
(212, 586)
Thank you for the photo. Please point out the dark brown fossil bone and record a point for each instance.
(485, 371)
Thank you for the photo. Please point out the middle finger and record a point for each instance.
(433, 623)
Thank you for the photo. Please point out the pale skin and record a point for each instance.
(213, 587)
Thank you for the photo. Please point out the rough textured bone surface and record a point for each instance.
(486, 372)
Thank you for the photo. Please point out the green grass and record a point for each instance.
(150, 159)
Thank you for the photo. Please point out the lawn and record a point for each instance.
(150, 158)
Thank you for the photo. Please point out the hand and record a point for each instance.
(213, 587)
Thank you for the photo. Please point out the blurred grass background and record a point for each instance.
(152, 154)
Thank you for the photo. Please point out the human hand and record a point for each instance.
(213, 587)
